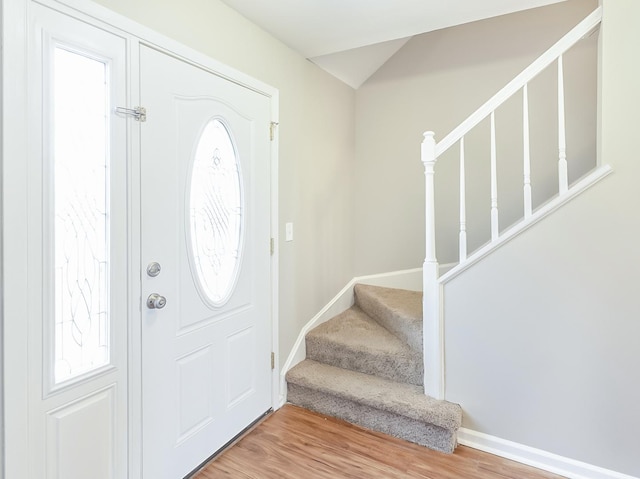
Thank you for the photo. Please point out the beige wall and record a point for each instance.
(316, 146)
(433, 83)
(542, 337)
(565, 314)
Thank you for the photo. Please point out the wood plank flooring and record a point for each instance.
(294, 443)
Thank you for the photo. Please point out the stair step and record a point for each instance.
(399, 409)
(398, 310)
(353, 340)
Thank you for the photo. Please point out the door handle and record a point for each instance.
(155, 301)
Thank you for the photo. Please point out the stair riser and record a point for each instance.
(402, 369)
(406, 329)
(427, 435)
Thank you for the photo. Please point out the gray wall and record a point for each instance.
(316, 146)
(433, 83)
(542, 336)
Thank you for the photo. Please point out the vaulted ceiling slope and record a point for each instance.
(352, 38)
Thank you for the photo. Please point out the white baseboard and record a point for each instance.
(405, 279)
(538, 458)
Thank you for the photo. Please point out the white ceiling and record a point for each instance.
(351, 39)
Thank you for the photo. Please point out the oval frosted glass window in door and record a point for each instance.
(215, 213)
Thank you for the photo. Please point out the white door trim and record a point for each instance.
(14, 239)
(15, 148)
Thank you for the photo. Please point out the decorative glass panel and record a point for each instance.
(215, 212)
(81, 210)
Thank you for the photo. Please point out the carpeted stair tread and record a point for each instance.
(398, 310)
(418, 432)
(374, 392)
(353, 340)
(365, 366)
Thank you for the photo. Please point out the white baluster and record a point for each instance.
(526, 152)
(494, 181)
(463, 207)
(562, 143)
(432, 327)
(429, 161)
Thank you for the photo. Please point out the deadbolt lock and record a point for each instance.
(153, 269)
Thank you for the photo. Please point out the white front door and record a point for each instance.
(206, 288)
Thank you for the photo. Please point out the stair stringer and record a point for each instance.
(555, 203)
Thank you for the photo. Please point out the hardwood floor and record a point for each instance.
(294, 443)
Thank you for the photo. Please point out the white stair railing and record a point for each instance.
(433, 339)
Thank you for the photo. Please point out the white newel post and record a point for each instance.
(432, 328)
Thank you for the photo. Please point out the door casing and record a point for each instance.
(16, 82)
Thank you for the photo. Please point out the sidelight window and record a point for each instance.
(80, 133)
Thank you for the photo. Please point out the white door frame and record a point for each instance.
(15, 180)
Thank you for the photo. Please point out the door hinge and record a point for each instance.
(138, 113)
(273, 360)
(272, 129)
(272, 246)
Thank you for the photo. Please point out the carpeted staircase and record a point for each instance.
(365, 366)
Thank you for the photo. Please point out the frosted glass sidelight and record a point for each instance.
(215, 213)
(81, 210)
